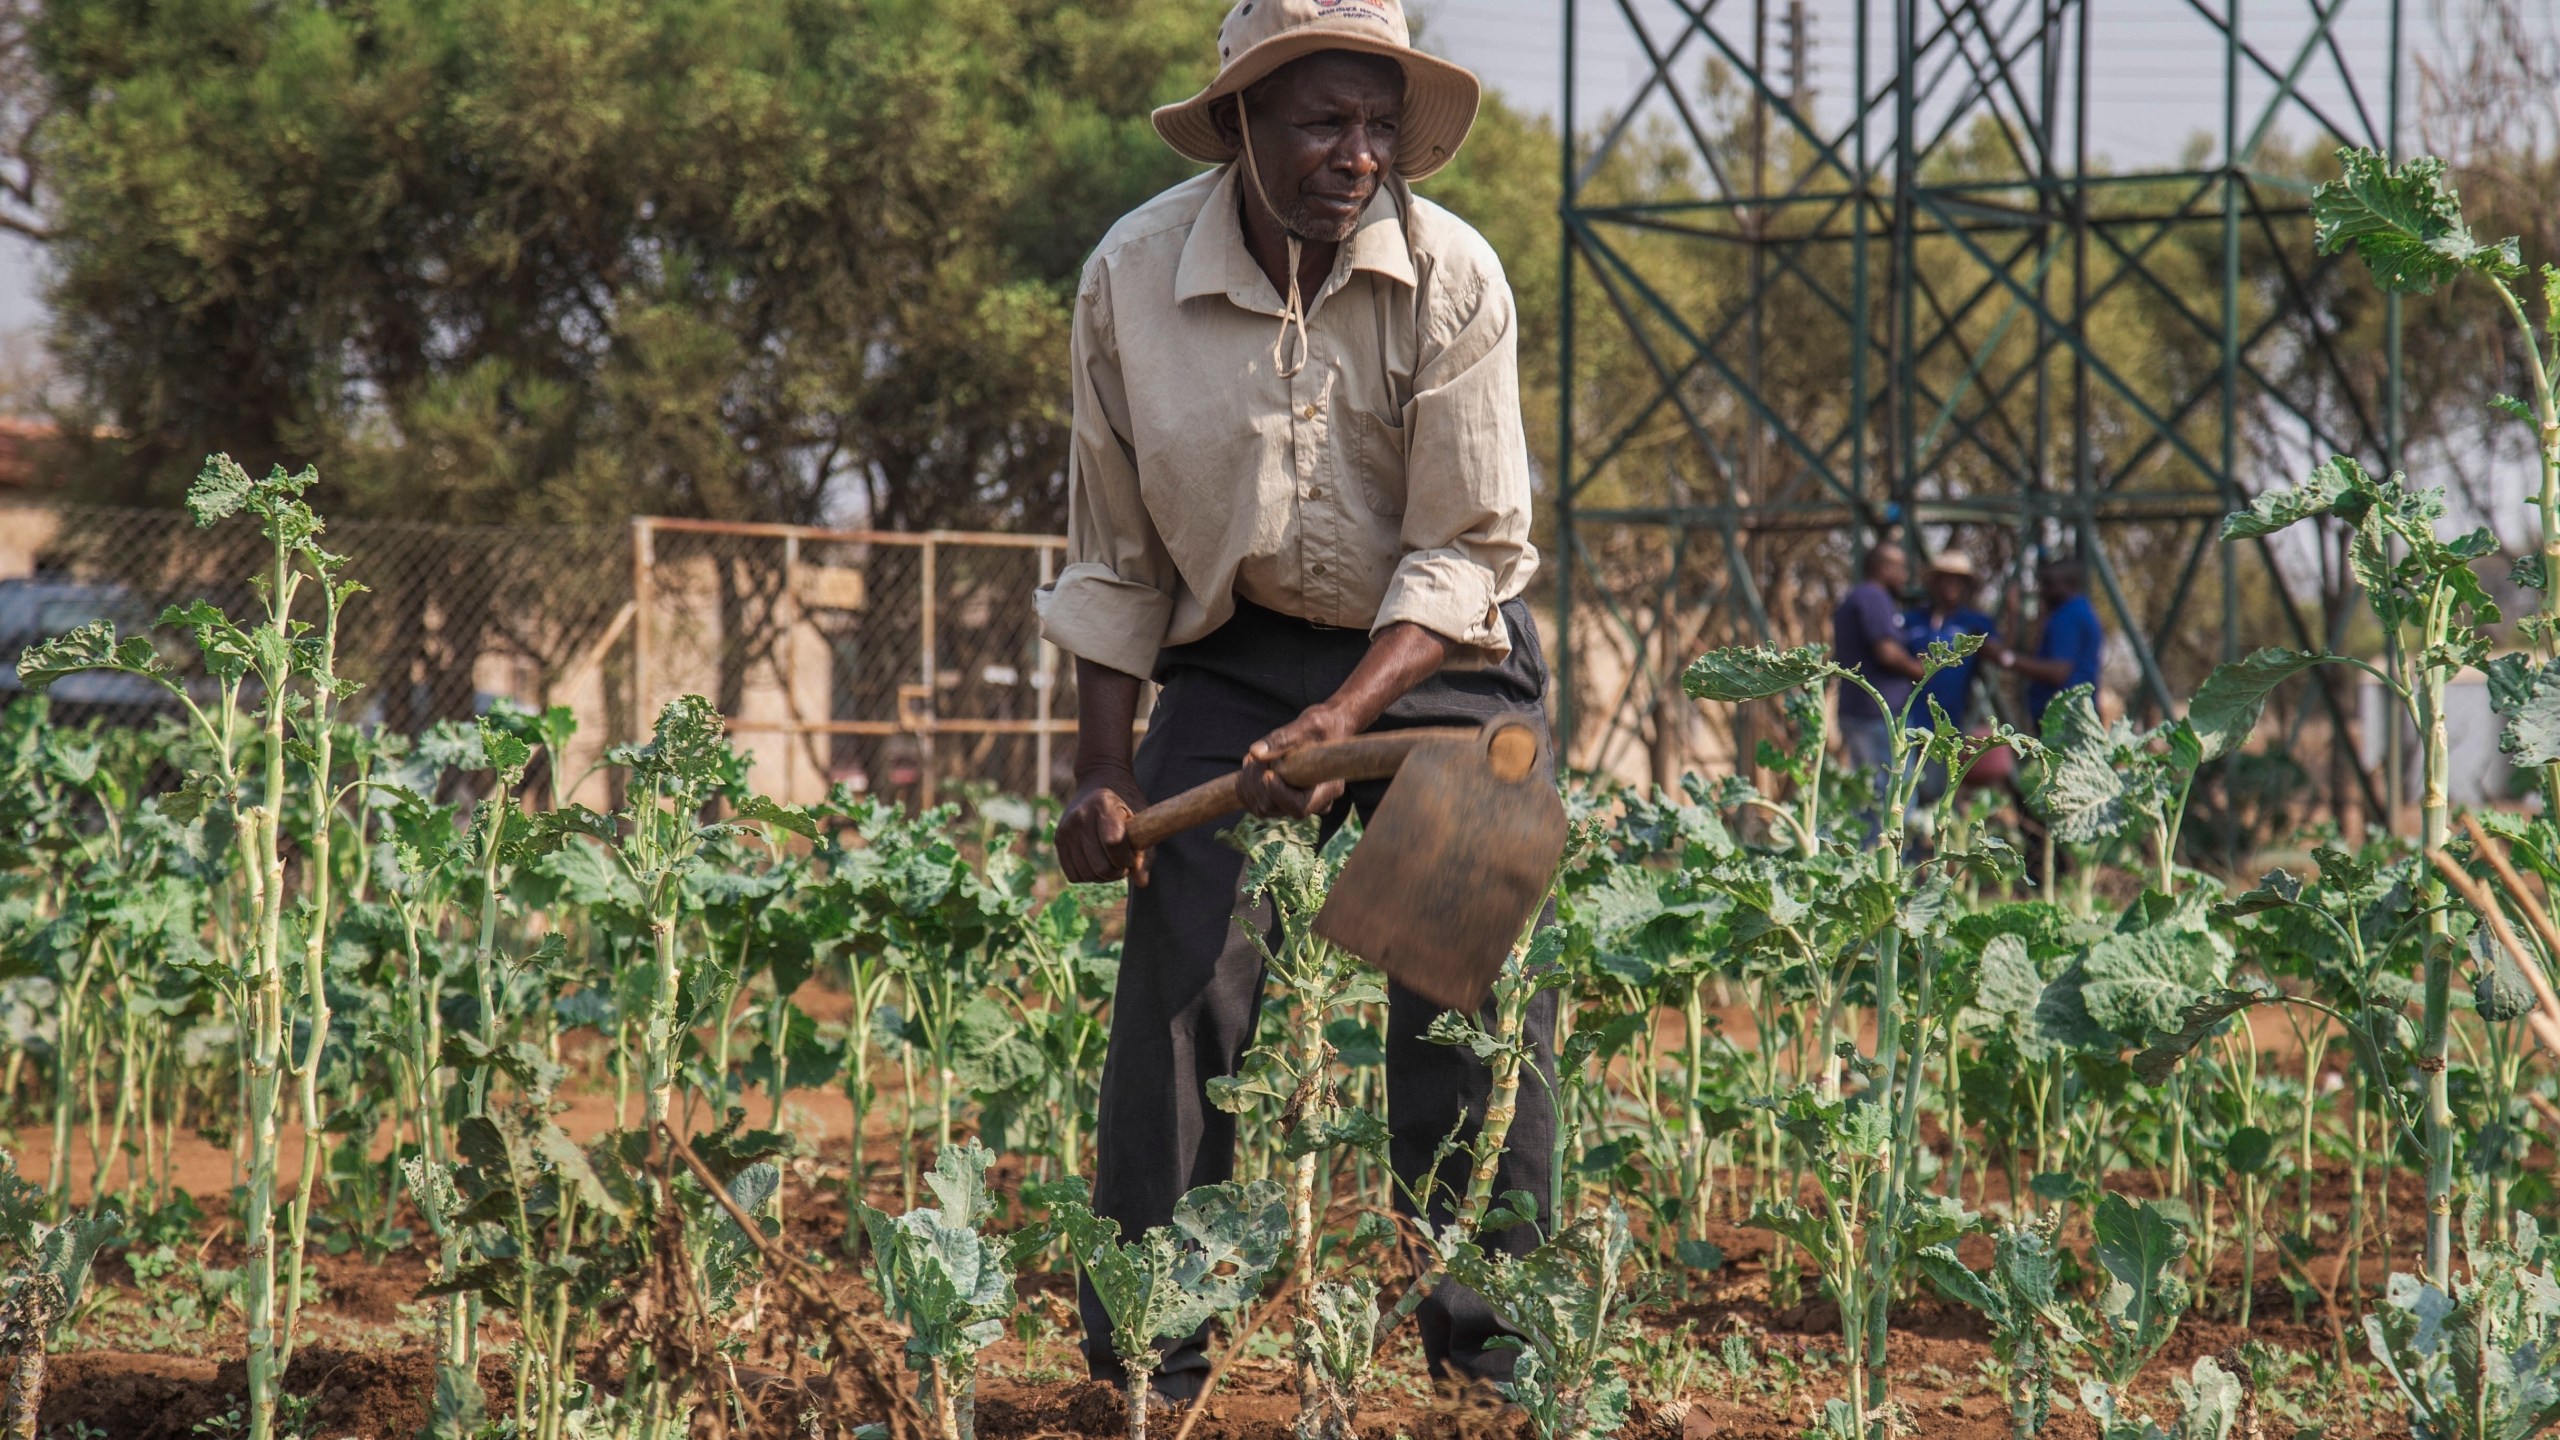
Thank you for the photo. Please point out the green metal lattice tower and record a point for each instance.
(2028, 352)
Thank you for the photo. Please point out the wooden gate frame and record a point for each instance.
(916, 712)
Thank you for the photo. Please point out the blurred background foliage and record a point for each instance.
(570, 260)
(574, 259)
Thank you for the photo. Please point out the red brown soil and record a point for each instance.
(366, 1364)
(377, 1394)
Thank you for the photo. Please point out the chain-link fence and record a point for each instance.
(452, 616)
(888, 661)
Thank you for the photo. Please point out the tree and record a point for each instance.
(23, 111)
(573, 259)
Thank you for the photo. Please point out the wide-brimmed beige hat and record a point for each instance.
(1951, 562)
(1260, 36)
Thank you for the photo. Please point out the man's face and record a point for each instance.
(1949, 592)
(1324, 136)
(1892, 569)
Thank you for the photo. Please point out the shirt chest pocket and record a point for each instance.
(1377, 402)
(1377, 459)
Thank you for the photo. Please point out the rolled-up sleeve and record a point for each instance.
(1465, 533)
(1113, 600)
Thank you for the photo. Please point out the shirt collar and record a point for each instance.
(1215, 262)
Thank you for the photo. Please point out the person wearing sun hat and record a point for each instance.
(1297, 501)
(1946, 612)
(1261, 36)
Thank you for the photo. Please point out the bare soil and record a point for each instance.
(130, 1369)
(127, 1374)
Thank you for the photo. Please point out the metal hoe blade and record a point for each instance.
(1454, 864)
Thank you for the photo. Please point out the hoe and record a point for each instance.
(1453, 863)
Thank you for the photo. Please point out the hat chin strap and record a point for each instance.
(1293, 311)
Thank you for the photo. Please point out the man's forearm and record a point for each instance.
(1400, 657)
(1106, 715)
(1092, 837)
(2041, 671)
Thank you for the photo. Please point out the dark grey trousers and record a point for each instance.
(1191, 979)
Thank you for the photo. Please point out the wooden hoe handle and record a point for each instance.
(1361, 757)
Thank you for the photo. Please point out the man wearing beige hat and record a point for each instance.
(1946, 614)
(1298, 500)
(1950, 586)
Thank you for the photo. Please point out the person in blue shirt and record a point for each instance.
(1946, 614)
(1950, 586)
(2070, 647)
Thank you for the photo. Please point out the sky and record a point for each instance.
(20, 309)
(2157, 64)
(2157, 80)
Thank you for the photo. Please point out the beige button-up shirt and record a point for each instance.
(1386, 481)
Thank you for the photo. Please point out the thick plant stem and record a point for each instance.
(857, 1089)
(2550, 514)
(946, 1416)
(426, 1040)
(131, 1057)
(1883, 1217)
(1141, 1385)
(2549, 507)
(1955, 1117)
(26, 1391)
(2435, 1054)
(484, 956)
(66, 1074)
(266, 1096)
(2356, 1237)
(262, 829)
(662, 1036)
(2546, 415)
(1302, 1252)
(1501, 1107)
(2436, 1042)
(1310, 1107)
(315, 983)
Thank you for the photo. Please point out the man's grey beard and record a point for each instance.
(1300, 221)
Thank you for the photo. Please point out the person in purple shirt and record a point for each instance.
(1866, 636)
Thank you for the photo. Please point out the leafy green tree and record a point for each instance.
(569, 259)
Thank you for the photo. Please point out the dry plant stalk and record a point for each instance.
(2505, 870)
(856, 1352)
(2545, 1018)
(1199, 1405)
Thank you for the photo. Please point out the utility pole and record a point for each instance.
(1799, 49)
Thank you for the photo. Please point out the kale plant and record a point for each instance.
(47, 1266)
(1333, 1335)
(1174, 1278)
(2482, 1362)
(946, 1283)
(2036, 1334)
(2018, 1295)
(1565, 1301)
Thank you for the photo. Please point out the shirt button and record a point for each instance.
(1310, 411)
(1316, 569)
(1315, 492)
